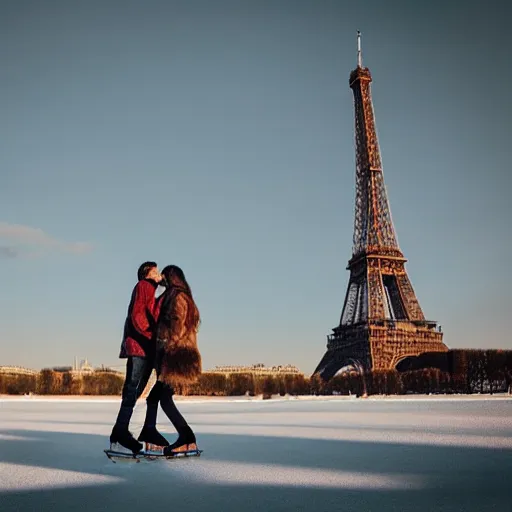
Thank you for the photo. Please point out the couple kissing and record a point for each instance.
(160, 334)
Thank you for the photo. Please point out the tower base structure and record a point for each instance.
(378, 345)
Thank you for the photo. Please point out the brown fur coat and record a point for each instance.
(179, 358)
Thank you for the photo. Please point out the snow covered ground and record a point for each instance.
(313, 454)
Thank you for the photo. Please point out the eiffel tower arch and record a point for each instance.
(381, 321)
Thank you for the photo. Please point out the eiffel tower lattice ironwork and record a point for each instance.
(381, 321)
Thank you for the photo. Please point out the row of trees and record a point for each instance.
(465, 371)
(49, 382)
(392, 382)
(236, 384)
(457, 371)
(17, 384)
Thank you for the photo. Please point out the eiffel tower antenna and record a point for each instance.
(359, 55)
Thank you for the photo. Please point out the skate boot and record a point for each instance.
(184, 445)
(123, 437)
(152, 439)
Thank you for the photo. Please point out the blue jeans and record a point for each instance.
(138, 371)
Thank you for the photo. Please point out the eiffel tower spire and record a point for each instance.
(373, 227)
(359, 54)
(381, 320)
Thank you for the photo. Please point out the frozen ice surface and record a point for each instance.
(321, 455)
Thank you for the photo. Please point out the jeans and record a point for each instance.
(138, 371)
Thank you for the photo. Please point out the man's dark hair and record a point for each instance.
(144, 269)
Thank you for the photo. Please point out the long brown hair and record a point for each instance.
(175, 281)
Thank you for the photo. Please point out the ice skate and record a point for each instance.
(154, 442)
(184, 450)
(123, 445)
(184, 446)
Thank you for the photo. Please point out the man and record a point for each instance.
(138, 347)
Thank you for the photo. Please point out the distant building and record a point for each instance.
(84, 368)
(77, 370)
(62, 369)
(16, 370)
(108, 369)
(258, 369)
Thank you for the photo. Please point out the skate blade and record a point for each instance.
(188, 453)
(116, 456)
(118, 453)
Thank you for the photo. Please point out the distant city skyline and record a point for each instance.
(85, 365)
(219, 136)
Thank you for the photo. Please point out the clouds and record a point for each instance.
(18, 240)
(8, 252)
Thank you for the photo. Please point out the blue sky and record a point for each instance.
(218, 135)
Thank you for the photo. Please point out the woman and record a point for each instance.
(178, 360)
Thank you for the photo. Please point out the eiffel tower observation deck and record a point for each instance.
(382, 321)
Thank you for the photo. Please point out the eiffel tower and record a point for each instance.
(381, 321)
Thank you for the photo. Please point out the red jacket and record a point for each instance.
(140, 322)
